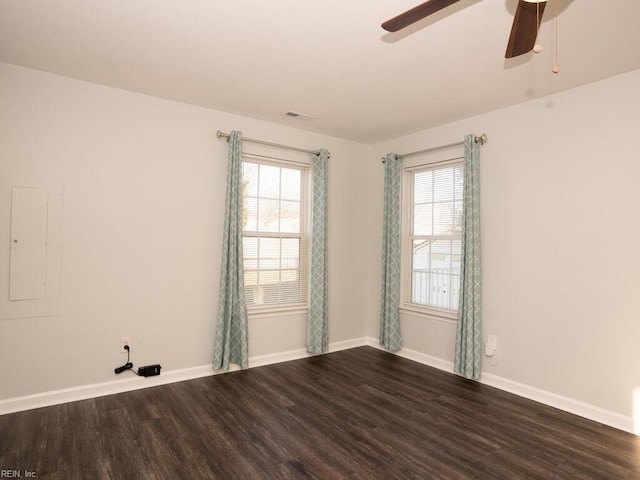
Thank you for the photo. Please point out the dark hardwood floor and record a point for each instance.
(354, 414)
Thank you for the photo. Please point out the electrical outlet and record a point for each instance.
(491, 346)
(124, 341)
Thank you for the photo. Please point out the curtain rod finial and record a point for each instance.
(482, 139)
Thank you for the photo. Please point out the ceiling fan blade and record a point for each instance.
(525, 28)
(417, 13)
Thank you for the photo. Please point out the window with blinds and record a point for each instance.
(434, 236)
(275, 234)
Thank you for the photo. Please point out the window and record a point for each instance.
(275, 234)
(432, 240)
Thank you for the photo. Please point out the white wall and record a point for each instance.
(143, 204)
(560, 233)
(142, 214)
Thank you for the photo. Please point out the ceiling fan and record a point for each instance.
(523, 31)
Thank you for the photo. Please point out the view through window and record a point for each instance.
(435, 235)
(275, 236)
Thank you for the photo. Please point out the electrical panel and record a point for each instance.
(30, 246)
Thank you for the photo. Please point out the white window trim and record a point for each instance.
(431, 313)
(438, 158)
(277, 310)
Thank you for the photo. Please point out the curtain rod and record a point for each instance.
(220, 134)
(482, 139)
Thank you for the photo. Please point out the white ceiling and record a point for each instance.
(329, 59)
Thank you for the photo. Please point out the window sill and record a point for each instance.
(439, 314)
(277, 311)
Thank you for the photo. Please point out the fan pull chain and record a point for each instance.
(537, 48)
(556, 66)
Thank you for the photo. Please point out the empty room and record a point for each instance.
(324, 240)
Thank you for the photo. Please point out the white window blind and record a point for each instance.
(275, 233)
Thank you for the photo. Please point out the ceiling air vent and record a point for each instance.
(298, 115)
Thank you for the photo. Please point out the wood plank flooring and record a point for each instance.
(355, 414)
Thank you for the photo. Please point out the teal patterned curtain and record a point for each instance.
(390, 337)
(469, 328)
(317, 327)
(231, 338)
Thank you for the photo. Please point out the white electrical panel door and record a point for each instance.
(30, 246)
(28, 255)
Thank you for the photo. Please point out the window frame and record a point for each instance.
(442, 158)
(272, 310)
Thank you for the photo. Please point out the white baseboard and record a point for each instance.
(84, 392)
(591, 412)
(297, 354)
(56, 397)
(597, 414)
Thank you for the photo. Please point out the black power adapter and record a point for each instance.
(149, 370)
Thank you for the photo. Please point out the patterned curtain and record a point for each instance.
(231, 338)
(390, 337)
(469, 328)
(317, 327)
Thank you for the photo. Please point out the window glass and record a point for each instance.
(274, 234)
(434, 236)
